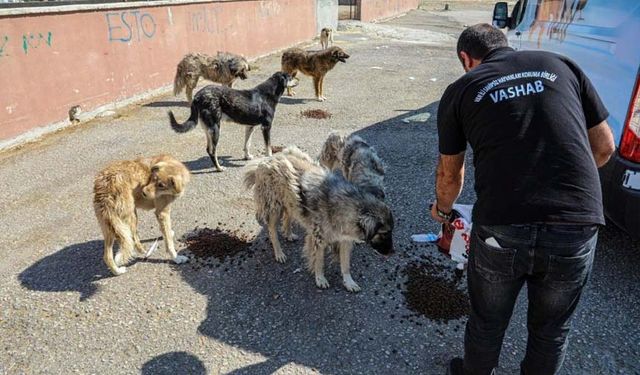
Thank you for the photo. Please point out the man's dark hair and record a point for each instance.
(478, 40)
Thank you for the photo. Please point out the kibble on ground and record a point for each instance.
(432, 294)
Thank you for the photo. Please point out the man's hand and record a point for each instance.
(434, 213)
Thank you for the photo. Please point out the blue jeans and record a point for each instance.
(555, 262)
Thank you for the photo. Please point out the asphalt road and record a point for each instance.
(61, 312)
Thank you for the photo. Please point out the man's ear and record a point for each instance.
(467, 61)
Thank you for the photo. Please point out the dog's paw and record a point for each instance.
(220, 169)
(321, 282)
(248, 157)
(291, 237)
(321, 98)
(180, 259)
(281, 258)
(119, 271)
(118, 259)
(351, 285)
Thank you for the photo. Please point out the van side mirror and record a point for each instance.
(501, 15)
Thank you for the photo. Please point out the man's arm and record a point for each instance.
(601, 141)
(449, 180)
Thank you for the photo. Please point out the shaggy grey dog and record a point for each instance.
(223, 68)
(357, 160)
(333, 211)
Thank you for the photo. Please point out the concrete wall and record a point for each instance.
(327, 14)
(373, 10)
(54, 58)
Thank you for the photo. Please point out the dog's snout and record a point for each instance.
(383, 246)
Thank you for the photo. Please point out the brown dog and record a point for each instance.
(314, 64)
(224, 68)
(122, 187)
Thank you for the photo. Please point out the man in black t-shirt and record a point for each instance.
(538, 133)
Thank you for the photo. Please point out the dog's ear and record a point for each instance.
(369, 225)
(158, 166)
(176, 183)
(378, 165)
(283, 78)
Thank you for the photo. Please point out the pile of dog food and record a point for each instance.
(218, 243)
(318, 114)
(431, 293)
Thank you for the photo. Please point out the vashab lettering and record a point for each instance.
(511, 92)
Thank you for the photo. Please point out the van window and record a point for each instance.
(584, 12)
(518, 13)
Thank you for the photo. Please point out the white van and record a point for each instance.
(603, 37)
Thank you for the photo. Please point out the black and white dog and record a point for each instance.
(257, 106)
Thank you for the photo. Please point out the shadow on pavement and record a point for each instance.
(174, 363)
(624, 261)
(276, 310)
(167, 103)
(267, 367)
(290, 100)
(204, 164)
(73, 269)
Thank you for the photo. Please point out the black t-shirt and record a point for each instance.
(525, 115)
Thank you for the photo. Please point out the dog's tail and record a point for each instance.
(295, 152)
(178, 83)
(275, 186)
(187, 125)
(250, 174)
(330, 154)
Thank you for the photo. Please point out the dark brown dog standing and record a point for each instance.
(314, 64)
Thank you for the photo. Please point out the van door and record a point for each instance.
(516, 24)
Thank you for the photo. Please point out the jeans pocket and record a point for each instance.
(568, 272)
(577, 229)
(494, 264)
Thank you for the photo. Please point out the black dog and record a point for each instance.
(246, 107)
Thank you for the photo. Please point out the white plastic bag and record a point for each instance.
(454, 237)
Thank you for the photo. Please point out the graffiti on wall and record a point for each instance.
(207, 20)
(270, 9)
(27, 42)
(33, 41)
(3, 45)
(130, 25)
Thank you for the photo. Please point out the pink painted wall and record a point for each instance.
(372, 10)
(51, 62)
